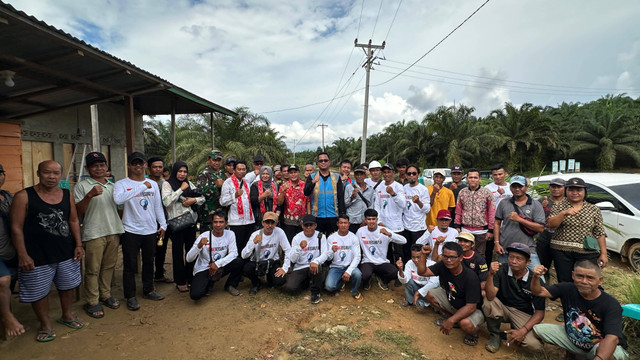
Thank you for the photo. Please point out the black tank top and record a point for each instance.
(46, 229)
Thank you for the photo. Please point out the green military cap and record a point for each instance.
(215, 154)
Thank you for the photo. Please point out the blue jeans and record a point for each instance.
(410, 288)
(333, 282)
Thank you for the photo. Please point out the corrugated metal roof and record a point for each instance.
(54, 70)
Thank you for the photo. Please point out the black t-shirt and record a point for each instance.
(517, 293)
(587, 322)
(478, 265)
(461, 289)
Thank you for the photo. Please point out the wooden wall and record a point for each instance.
(10, 156)
(34, 152)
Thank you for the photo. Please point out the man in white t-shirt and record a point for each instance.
(416, 286)
(262, 254)
(440, 234)
(142, 213)
(345, 256)
(215, 255)
(415, 211)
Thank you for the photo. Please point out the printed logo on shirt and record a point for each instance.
(217, 256)
(267, 253)
(144, 203)
(452, 291)
(309, 256)
(343, 255)
(581, 330)
(54, 223)
(219, 248)
(372, 250)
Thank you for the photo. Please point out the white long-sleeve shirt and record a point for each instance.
(142, 206)
(223, 251)
(172, 200)
(374, 244)
(414, 217)
(348, 253)
(316, 251)
(228, 198)
(268, 245)
(411, 273)
(389, 207)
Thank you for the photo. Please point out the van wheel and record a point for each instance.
(634, 256)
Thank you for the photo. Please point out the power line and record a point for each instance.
(436, 45)
(505, 80)
(392, 21)
(360, 20)
(376, 22)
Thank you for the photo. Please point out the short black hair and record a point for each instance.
(413, 166)
(452, 245)
(323, 153)
(370, 213)
(346, 161)
(343, 216)
(154, 159)
(416, 247)
(238, 162)
(473, 170)
(402, 161)
(498, 167)
(588, 264)
(284, 166)
(220, 213)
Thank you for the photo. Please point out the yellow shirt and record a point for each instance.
(444, 200)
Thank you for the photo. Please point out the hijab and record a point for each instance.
(173, 178)
(266, 184)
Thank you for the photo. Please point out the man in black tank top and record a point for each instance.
(46, 235)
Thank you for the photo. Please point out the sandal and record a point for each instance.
(74, 323)
(182, 288)
(51, 335)
(471, 340)
(95, 311)
(405, 303)
(111, 303)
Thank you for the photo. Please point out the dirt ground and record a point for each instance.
(268, 325)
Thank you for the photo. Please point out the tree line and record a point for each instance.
(603, 135)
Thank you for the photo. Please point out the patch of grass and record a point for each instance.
(402, 341)
(368, 351)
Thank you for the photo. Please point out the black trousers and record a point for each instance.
(249, 270)
(327, 225)
(395, 251)
(298, 280)
(386, 272)
(161, 255)
(132, 244)
(543, 249)
(243, 233)
(291, 231)
(411, 237)
(202, 282)
(354, 227)
(565, 260)
(181, 243)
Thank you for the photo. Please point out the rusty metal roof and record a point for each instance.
(54, 70)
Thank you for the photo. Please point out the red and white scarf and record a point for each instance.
(234, 179)
(273, 192)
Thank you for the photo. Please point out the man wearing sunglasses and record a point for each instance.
(258, 162)
(327, 195)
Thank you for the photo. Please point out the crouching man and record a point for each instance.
(345, 256)
(416, 286)
(216, 256)
(592, 318)
(510, 300)
(459, 293)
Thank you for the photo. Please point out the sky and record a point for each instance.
(273, 55)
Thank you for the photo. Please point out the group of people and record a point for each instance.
(322, 230)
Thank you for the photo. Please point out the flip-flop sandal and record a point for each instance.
(404, 303)
(182, 288)
(51, 335)
(71, 323)
(471, 340)
(111, 303)
(93, 310)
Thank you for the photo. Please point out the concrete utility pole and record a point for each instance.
(323, 126)
(294, 151)
(368, 50)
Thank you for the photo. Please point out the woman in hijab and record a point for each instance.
(178, 194)
(263, 195)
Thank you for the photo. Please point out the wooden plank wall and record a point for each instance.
(10, 156)
(34, 152)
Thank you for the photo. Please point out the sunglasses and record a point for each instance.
(411, 173)
(323, 160)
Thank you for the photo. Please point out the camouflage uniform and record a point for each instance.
(206, 182)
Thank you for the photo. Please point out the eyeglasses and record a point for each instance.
(323, 160)
(259, 163)
(412, 173)
(445, 257)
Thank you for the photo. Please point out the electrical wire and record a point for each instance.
(376, 22)
(392, 21)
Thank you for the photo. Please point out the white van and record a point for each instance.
(427, 176)
(618, 197)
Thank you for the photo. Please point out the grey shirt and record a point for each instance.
(510, 231)
(356, 206)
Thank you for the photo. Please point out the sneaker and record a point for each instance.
(253, 291)
(132, 304)
(382, 285)
(359, 297)
(153, 296)
(315, 298)
(233, 291)
(367, 286)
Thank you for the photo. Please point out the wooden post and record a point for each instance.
(173, 129)
(129, 124)
(95, 128)
(212, 139)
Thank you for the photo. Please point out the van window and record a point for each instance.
(596, 194)
(629, 192)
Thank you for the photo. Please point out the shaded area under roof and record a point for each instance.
(54, 70)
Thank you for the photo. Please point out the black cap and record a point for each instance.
(557, 181)
(136, 155)
(308, 219)
(520, 248)
(229, 161)
(258, 158)
(293, 167)
(387, 166)
(92, 157)
(457, 168)
(575, 182)
(360, 168)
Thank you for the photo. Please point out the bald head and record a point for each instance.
(49, 164)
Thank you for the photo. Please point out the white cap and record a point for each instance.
(374, 164)
(440, 171)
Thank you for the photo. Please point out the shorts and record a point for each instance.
(4, 269)
(36, 284)
(476, 317)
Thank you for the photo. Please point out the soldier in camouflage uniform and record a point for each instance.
(210, 181)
